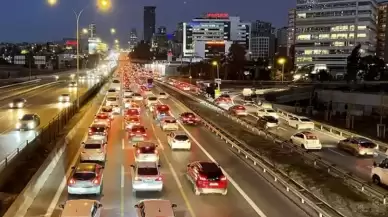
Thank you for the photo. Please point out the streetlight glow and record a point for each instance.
(116, 41)
(281, 61)
(214, 63)
(104, 5)
(113, 31)
(52, 2)
(85, 31)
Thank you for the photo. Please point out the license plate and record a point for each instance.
(213, 184)
(190, 122)
(82, 190)
(148, 180)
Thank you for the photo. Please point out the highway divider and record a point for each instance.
(268, 169)
(20, 83)
(29, 89)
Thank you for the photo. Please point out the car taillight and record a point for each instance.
(90, 131)
(156, 152)
(137, 179)
(138, 152)
(202, 178)
(96, 181)
(158, 179)
(71, 181)
(223, 178)
(144, 134)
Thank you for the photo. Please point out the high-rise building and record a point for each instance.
(159, 40)
(149, 20)
(162, 30)
(262, 40)
(92, 31)
(327, 32)
(291, 34)
(214, 29)
(382, 30)
(133, 40)
(281, 41)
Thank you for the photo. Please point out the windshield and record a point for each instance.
(368, 145)
(181, 137)
(138, 129)
(111, 90)
(311, 137)
(147, 171)
(147, 149)
(92, 146)
(132, 112)
(18, 100)
(106, 109)
(162, 94)
(102, 116)
(84, 176)
(136, 94)
(99, 129)
(225, 96)
(270, 111)
(171, 121)
(152, 98)
(134, 119)
(27, 117)
(305, 120)
(111, 99)
(271, 119)
(116, 81)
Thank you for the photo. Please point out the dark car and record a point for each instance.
(267, 122)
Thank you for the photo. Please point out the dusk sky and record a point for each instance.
(36, 21)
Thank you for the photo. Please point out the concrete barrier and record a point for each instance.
(19, 83)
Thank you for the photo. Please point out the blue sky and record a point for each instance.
(35, 20)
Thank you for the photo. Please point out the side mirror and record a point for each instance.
(73, 167)
(99, 205)
(188, 165)
(174, 205)
(62, 206)
(158, 165)
(136, 206)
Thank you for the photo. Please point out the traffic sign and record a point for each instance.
(19, 60)
(217, 80)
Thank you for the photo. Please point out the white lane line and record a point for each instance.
(336, 152)
(238, 188)
(122, 176)
(122, 144)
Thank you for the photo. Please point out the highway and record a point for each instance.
(42, 101)
(248, 193)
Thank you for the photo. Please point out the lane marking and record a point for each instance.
(122, 191)
(122, 144)
(336, 152)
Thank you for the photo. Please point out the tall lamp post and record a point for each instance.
(102, 5)
(282, 61)
(215, 63)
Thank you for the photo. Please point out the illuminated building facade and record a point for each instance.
(211, 27)
(382, 30)
(211, 49)
(327, 31)
(92, 30)
(133, 40)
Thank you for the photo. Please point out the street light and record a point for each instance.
(85, 31)
(102, 5)
(282, 61)
(116, 41)
(112, 31)
(215, 63)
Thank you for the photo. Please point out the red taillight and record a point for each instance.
(96, 181)
(138, 151)
(71, 181)
(158, 179)
(223, 178)
(90, 130)
(156, 152)
(202, 178)
(144, 134)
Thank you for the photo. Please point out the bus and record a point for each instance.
(150, 82)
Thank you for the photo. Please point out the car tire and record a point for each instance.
(196, 191)
(376, 179)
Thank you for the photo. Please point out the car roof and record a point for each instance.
(93, 141)
(86, 167)
(77, 208)
(147, 164)
(155, 208)
(145, 144)
(99, 124)
(180, 133)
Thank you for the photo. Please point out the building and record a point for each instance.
(281, 41)
(92, 31)
(382, 34)
(133, 40)
(291, 34)
(214, 27)
(211, 49)
(327, 32)
(149, 20)
(262, 40)
(160, 40)
(162, 30)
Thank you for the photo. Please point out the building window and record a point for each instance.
(304, 37)
(361, 35)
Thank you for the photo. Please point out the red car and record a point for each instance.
(131, 122)
(189, 118)
(238, 110)
(207, 178)
(137, 133)
(132, 113)
(107, 110)
(103, 118)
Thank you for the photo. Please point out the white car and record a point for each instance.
(128, 93)
(93, 150)
(112, 101)
(137, 97)
(158, 207)
(306, 140)
(169, 123)
(178, 140)
(162, 95)
(86, 179)
(116, 84)
(98, 131)
(146, 152)
(112, 92)
(151, 100)
(301, 123)
(64, 97)
(267, 112)
(379, 173)
(146, 177)
(81, 207)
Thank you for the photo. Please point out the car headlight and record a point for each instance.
(20, 104)
(18, 125)
(10, 104)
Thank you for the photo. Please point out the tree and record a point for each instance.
(142, 51)
(352, 65)
(324, 75)
(372, 68)
(235, 61)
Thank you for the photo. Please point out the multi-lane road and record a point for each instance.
(247, 195)
(42, 101)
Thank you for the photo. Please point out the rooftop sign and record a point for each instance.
(217, 15)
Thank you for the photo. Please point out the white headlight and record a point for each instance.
(60, 98)
(10, 104)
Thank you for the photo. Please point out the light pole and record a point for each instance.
(282, 61)
(215, 63)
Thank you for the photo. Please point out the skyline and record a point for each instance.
(45, 23)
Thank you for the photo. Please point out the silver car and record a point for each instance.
(86, 179)
(358, 146)
(93, 150)
(28, 122)
(146, 152)
(98, 131)
(64, 97)
(146, 177)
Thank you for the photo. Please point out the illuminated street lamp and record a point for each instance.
(282, 61)
(112, 31)
(215, 63)
(85, 31)
(102, 5)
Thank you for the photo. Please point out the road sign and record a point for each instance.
(19, 60)
(217, 80)
(40, 60)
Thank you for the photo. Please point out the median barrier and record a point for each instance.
(20, 83)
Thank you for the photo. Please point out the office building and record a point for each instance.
(281, 41)
(291, 34)
(133, 39)
(160, 41)
(216, 28)
(162, 30)
(262, 40)
(149, 20)
(382, 34)
(327, 32)
(92, 31)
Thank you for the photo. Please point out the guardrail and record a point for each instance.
(20, 83)
(48, 133)
(269, 168)
(348, 178)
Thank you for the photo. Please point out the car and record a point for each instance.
(146, 177)
(155, 208)
(160, 112)
(137, 133)
(102, 118)
(225, 97)
(73, 84)
(127, 103)
(107, 110)
(146, 152)
(112, 101)
(267, 112)
(178, 140)
(207, 178)
(153, 107)
(132, 121)
(86, 178)
(300, 123)
(184, 87)
(267, 122)
(113, 92)
(98, 131)
(162, 95)
(168, 123)
(306, 140)
(358, 146)
(28, 122)
(115, 84)
(65, 97)
(189, 118)
(128, 93)
(81, 207)
(93, 150)
(150, 100)
(17, 103)
(132, 112)
(128, 98)
(379, 172)
(137, 97)
(238, 110)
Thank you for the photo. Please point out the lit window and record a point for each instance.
(304, 37)
(338, 43)
(303, 15)
(361, 35)
(324, 36)
(361, 27)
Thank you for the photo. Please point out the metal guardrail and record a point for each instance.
(270, 169)
(50, 131)
(348, 178)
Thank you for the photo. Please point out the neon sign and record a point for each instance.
(217, 15)
(215, 42)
